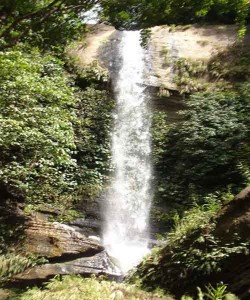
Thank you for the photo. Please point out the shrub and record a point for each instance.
(37, 135)
(203, 153)
(12, 264)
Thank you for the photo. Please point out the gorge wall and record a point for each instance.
(169, 50)
(189, 42)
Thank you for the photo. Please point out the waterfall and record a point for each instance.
(126, 232)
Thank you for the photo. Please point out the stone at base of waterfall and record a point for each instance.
(55, 240)
(98, 264)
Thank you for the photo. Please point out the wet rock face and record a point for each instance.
(88, 227)
(166, 46)
(194, 43)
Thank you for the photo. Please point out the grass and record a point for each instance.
(77, 288)
(197, 217)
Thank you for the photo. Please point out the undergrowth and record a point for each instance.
(218, 292)
(191, 251)
(77, 288)
(11, 264)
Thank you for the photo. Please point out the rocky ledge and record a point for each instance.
(67, 252)
(97, 264)
(53, 240)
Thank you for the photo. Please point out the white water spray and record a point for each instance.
(126, 233)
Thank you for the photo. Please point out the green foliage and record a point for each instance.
(137, 13)
(37, 134)
(50, 24)
(189, 75)
(232, 65)
(12, 264)
(208, 149)
(93, 140)
(92, 75)
(198, 217)
(219, 292)
(190, 252)
(54, 137)
(77, 288)
(160, 130)
(93, 126)
(194, 222)
(94, 72)
(11, 228)
(245, 171)
(145, 37)
(216, 293)
(203, 153)
(206, 254)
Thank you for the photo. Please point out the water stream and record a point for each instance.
(126, 230)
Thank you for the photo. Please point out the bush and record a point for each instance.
(12, 264)
(93, 141)
(37, 135)
(54, 136)
(208, 150)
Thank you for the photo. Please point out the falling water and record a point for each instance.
(128, 202)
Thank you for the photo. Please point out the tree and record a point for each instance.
(48, 21)
(144, 13)
(37, 134)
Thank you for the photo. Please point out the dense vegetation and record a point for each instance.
(207, 151)
(55, 118)
(51, 24)
(193, 251)
(51, 142)
(137, 13)
(55, 123)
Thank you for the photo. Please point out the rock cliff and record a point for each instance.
(188, 42)
(168, 49)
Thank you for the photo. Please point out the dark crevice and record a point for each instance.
(71, 257)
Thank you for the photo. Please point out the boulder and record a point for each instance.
(54, 240)
(99, 263)
(235, 217)
(67, 251)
